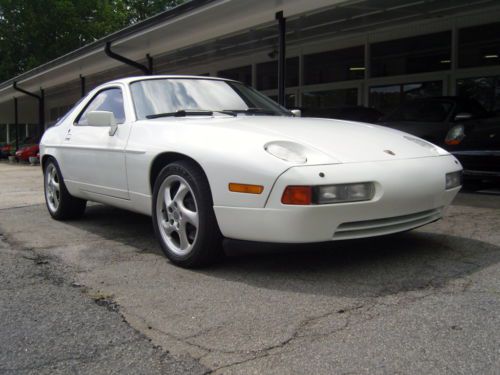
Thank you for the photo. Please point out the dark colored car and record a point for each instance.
(477, 146)
(432, 118)
(351, 113)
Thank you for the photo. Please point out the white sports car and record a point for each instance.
(209, 158)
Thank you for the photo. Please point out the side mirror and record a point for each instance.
(463, 116)
(103, 118)
(296, 112)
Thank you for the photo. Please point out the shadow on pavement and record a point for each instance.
(378, 266)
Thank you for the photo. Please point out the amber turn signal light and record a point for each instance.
(245, 188)
(300, 195)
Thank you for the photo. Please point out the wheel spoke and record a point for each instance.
(184, 243)
(180, 194)
(167, 198)
(189, 216)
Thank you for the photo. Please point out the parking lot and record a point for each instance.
(425, 301)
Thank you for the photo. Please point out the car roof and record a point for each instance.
(128, 80)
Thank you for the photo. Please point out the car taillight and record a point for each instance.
(455, 135)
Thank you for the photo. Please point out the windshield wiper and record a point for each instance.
(252, 110)
(189, 112)
(181, 113)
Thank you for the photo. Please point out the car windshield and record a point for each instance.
(422, 111)
(160, 97)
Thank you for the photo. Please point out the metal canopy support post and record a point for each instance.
(82, 86)
(41, 114)
(16, 122)
(147, 70)
(41, 107)
(281, 57)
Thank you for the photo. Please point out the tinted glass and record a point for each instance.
(333, 66)
(422, 111)
(485, 90)
(387, 98)
(32, 130)
(290, 100)
(242, 74)
(424, 53)
(3, 133)
(108, 100)
(479, 45)
(157, 96)
(330, 98)
(267, 74)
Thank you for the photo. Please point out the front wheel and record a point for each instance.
(183, 216)
(60, 203)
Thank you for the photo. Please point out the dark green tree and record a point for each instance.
(36, 31)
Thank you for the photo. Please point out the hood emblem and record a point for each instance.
(389, 152)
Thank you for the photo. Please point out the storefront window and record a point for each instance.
(387, 98)
(333, 66)
(12, 132)
(3, 133)
(32, 130)
(290, 100)
(479, 46)
(267, 74)
(419, 54)
(242, 74)
(486, 90)
(330, 98)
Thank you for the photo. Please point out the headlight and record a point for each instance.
(345, 193)
(327, 194)
(287, 151)
(453, 179)
(455, 135)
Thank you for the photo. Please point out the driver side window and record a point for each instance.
(107, 100)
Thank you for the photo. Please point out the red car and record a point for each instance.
(24, 153)
(5, 150)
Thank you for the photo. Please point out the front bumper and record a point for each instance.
(409, 193)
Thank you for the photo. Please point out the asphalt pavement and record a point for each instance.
(96, 295)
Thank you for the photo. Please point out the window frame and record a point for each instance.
(87, 104)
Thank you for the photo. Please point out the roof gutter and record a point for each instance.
(120, 34)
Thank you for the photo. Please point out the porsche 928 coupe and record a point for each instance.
(210, 158)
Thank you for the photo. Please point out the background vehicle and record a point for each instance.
(477, 146)
(5, 150)
(432, 118)
(351, 113)
(27, 151)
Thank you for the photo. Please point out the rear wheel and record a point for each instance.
(183, 216)
(60, 203)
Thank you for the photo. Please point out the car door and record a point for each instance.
(94, 160)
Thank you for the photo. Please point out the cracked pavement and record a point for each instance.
(425, 301)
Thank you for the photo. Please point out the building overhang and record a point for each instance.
(205, 28)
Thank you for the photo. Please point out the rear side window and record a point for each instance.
(107, 100)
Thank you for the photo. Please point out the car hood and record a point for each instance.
(345, 141)
(341, 141)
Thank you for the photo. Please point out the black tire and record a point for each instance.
(68, 207)
(206, 245)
